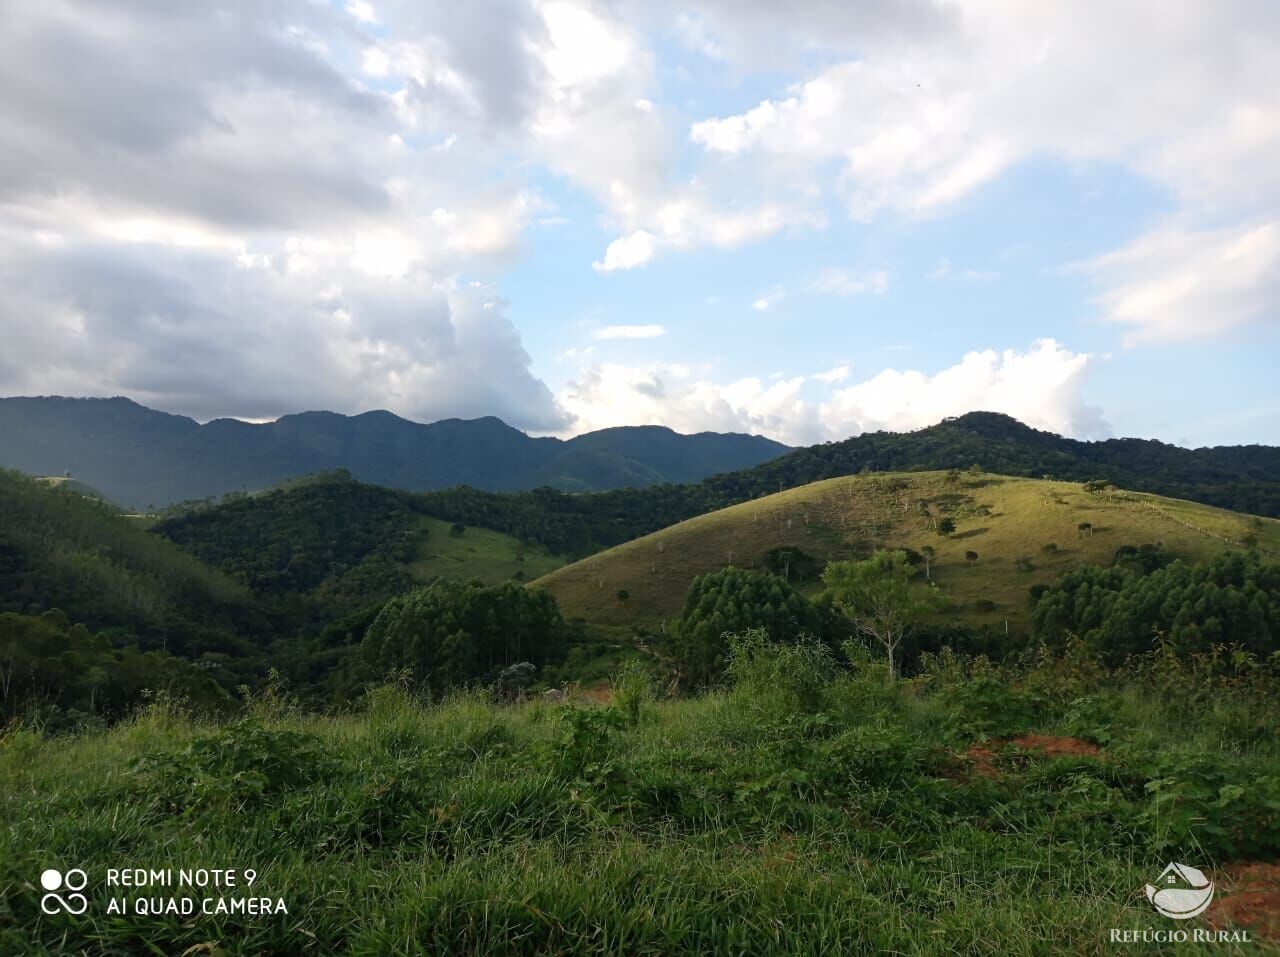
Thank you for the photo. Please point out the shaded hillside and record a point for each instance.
(142, 458)
(59, 549)
(345, 545)
(1022, 533)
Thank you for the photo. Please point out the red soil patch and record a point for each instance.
(1056, 747)
(1249, 898)
(983, 761)
(982, 757)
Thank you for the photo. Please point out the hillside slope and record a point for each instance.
(142, 457)
(60, 549)
(1023, 531)
(345, 543)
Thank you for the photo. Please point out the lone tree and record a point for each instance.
(878, 597)
(970, 557)
(946, 526)
(1085, 528)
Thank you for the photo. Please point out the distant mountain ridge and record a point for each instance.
(141, 457)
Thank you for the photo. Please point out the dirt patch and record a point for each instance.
(1249, 898)
(982, 761)
(982, 757)
(1056, 747)
(600, 695)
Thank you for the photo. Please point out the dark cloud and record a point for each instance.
(203, 206)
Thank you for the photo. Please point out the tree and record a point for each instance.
(451, 633)
(928, 552)
(623, 595)
(733, 601)
(1119, 611)
(946, 526)
(1085, 527)
(970, 557)
(877, 596)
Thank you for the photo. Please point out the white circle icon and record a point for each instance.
(51, 880)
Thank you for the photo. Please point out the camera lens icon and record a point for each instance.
(54, 881)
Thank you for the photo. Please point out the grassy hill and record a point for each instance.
(1024, 532)
(489, 556)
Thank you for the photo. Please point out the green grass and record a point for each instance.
(1003, 519)
(849, 820)
(489, 556)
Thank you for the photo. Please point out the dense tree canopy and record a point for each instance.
(733, 601)
(62, 549)
(452, 633)
(47, 662)
(1234, 599)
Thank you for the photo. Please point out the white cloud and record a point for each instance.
(841, 282)
(837, 374)
(627, 252)
(952, 96)
(1042, 387)
(362, 10)
(768, 301)
(630, 332)
(1176, 283)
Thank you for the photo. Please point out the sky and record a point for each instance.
(803, 220)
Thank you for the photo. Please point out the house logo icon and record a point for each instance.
(1180, 892)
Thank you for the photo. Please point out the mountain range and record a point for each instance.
(140, 457)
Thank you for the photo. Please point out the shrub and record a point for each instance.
(780, 678)
(240, 766)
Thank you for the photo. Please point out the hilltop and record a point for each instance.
(145, 458)
(1024, 532)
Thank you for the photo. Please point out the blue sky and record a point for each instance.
(804, 221)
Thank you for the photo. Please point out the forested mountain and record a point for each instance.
(140, 457)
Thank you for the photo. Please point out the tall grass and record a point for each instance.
(804, 810)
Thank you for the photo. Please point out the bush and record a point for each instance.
(235, 768)
(780, 677)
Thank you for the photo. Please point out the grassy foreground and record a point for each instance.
(807, 810)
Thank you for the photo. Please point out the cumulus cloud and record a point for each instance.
(627, 252)
(1042, 386)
